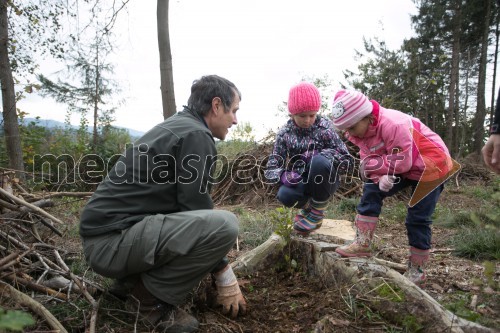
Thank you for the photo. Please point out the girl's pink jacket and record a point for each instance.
(391, 146)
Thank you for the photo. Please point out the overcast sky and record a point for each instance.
(263, 46)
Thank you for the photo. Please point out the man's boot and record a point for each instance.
(121, 288)
(416, 265)
(162, 316)
(360, 247)
(310, 218)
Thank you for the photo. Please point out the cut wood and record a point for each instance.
(260, 257)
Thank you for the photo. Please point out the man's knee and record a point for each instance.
(229, 227)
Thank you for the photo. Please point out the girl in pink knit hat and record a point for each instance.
(396, 151)
(307, 158)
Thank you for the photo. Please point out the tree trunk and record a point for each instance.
(479, 129)
(493, 87)
(11, 125)
(96, 102)
(166, 71)
(453, 87)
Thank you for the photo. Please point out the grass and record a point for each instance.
(477, 243)
(255, 226)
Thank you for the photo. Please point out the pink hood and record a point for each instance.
(388, 146)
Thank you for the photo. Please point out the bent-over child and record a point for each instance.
(396, 151)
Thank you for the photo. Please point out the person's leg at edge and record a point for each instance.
(322, 182)
(418, 226)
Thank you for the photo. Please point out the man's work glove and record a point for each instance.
(290, 178)
(228, 292)
(386, 183)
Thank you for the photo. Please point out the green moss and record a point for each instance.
(391, 293)
(411, 324)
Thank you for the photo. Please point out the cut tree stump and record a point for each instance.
(367, 278)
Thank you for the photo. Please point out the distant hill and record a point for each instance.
(49, 123)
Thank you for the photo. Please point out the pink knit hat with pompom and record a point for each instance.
(303, 97)
(348, 108)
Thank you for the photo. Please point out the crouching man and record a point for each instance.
(150, 225)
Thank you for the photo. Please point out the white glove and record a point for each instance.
(386, 183)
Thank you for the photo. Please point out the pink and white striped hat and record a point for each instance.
(349, 107)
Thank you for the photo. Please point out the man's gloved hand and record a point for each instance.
(308, 155)
(290, 178)
(228, 292)
(386, 183)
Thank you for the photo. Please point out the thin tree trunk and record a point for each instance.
(96, 100)
(453, 87)
(11, 125)
(166, 70)
(479, 129)
(493, 88)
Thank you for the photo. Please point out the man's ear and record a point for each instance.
(216, 104)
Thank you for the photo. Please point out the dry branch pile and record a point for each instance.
(30, 260)
(243, 181)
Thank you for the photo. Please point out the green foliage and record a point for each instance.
(230, 149)
(93, 92)
(282, 221)
(396, 213)
(392, 293)
(243, 132)
(459, 307)
(15, 320)
(477, 244)
(489, 273)
(411, 324)
(35, 28)
(345, 206)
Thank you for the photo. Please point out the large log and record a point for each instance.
(367, 277)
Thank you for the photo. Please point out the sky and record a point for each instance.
(263, 46)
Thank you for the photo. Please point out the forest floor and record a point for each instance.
(289, 300)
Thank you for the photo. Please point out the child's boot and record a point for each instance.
(416, 265)
(310, 218)
(360, 247)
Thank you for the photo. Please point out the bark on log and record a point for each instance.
(365, 276)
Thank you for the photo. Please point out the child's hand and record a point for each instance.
(290, 178)
(386, 183)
